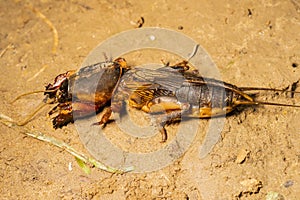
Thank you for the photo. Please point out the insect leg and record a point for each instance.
(165, 104)
(164, 119)
(182, 66)
(105, 118)
(166, 110)
(65, 115)
(67, 109)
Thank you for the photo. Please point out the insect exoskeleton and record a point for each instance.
(81, 92)
(170, 92)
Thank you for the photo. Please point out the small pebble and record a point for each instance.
(289, 183)
(251, 185)
(70, 166)
(242, 155)
(274, 196)
(152, 37)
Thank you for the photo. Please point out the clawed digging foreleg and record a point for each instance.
(64, 115)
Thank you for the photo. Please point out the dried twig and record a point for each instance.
(5, 49)
(49, 23)
(60, 144)
(38, 73)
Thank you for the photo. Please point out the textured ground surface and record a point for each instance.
(253, 44)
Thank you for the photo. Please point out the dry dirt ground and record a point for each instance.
(253, 43)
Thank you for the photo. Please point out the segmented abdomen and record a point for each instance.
(205, 96)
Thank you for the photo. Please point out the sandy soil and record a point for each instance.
(254, 43)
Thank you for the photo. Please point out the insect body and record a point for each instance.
(171, 92)
(81, 101)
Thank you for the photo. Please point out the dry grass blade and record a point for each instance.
(5, 49)
(7, 121)
(50, 24)
(38, 73)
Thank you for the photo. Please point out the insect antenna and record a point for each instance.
(30, 116)
(29, 93)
